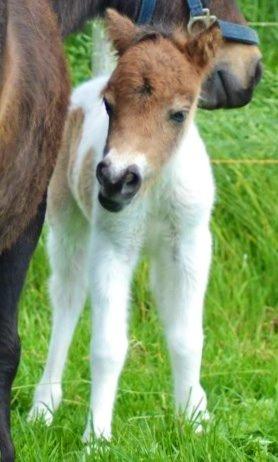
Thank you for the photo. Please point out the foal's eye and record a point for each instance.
(178, 117)
(108, 107)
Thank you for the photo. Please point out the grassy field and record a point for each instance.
(239, 367)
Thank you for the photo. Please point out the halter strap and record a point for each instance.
(196, 7)
(230, 30)
(146, 11)
(238, 33)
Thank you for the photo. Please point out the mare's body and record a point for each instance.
(34, 92)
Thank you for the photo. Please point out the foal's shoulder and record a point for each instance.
(88, 141)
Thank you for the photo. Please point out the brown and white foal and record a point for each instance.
(131, 147)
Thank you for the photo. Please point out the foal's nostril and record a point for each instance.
(102, 172)
(131, 180)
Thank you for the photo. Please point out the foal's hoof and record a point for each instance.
(199, 425)
(96, 446)
(40, 412)
(95, 443)
(46, 401)
(100, 435)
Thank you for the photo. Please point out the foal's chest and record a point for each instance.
(164, 220)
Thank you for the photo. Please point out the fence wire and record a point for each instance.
(244, 161)
(263, 24)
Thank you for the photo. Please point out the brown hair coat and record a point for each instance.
(33, 103)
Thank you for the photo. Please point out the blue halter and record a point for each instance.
(230, 30)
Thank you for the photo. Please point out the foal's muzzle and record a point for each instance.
(117, 190)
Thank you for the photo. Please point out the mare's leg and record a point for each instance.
(112, 266)
(68, 251)
(179, 280)
(13, 267)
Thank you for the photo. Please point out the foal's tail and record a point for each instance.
(103, 59)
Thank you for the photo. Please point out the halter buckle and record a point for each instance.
(205, 20)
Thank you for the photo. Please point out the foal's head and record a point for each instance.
(150, 99)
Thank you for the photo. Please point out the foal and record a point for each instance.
(136, 136)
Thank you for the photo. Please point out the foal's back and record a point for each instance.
(84, 138)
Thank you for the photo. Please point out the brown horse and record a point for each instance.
(33, 100)
(34, 92)
(33, 103)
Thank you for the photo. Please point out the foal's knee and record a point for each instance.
(184, 343)
(109, 355)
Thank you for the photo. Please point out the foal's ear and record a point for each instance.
(121, 30)
(201, 49)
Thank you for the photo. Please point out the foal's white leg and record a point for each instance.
(179, 279)
(68, 288)
(110, 277)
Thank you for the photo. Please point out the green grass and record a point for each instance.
(240, 357)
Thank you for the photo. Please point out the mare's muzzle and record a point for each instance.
(222, 89)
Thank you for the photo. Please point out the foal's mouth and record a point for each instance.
(109, 204)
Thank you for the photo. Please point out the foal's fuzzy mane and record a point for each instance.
(153, 33)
